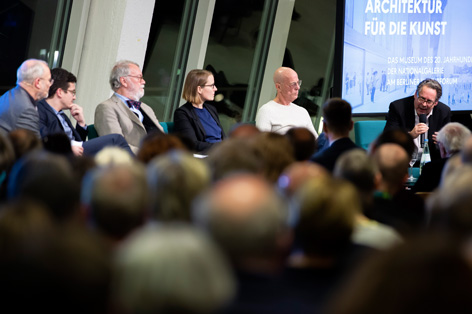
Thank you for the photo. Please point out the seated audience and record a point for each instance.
(117, 200)
(451, 138)
(243, 130)
(248, 220)
(175, 180)
(52, 117)
(358, 168)
(171, 269)
(156, 144)
(196, 119)
(293, 177)
(24, 141)
(113, 155)
(303, 143)
(337, 124)
(393, 204)
(431, 274)
(7, 158)
(396, 136)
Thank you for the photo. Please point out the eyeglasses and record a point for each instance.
(140, 77)
(73, 92)
(424, 100)
(294, 84)
(211, 85)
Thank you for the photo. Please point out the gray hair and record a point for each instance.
(120, 69)
(453, 136)
(29, 70)
(171, 269)
(433, 84)
(175, 180)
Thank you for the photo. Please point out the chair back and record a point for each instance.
(366, 132)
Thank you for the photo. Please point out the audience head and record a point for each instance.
(303, 143)
(126, 79)
(35, 77)
(171, 269)
(24, 141)
(451, 138)
(298, 173)
(7, 156)
(428, 92)
(337, 117)
(466, 154)
(327, 209)
(156, 144)
(246, 217)
(405, 280)
(234, 155)
(244, 130)
(396, 136)
(287, 84)
(276, 152)
(175, 180)
(358, 168)
(113, 155)
(392, 162)
(48, 179)
(117, 199)
(197, 86)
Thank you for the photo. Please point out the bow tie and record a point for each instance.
(133, 104)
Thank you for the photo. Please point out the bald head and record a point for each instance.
(287, 84)
(244, 214)
(392, 161)
(282, 73)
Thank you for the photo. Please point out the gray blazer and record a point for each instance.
(18, 111)
(114, 116)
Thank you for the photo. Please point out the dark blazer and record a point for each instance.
(327, 158)
(401, 114)
(49, 123)
(430, 176)
(187, 124)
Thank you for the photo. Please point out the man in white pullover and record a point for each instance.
(281, 114)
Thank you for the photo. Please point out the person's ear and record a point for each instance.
(123, 81)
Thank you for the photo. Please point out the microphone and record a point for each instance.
(422, 120)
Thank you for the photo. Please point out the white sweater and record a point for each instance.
(277, 118)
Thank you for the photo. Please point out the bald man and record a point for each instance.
(281, 114)
(18, 106)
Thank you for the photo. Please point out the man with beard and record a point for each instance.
(18, 105)
(123, 113)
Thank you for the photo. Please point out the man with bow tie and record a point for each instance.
(53, 120)
(123, 113)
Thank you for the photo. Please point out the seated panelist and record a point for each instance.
(197, 120)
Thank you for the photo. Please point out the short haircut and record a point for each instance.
(175, 180)
(397, 136)
(303, 143)
(453, 136)
(337, 114)
(393, 162)
(194, 79)
(433, 84)
(120, 69)
(30, 70)
(61, 78)
(358, 168)
(155, 144)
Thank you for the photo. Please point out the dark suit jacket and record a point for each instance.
(430, 176)
(327, 158)
(187, 124)
(49, 123)
(401, 114)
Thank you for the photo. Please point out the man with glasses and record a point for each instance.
(53, 120)
(405, 114)
(281, 114)
(123, 113)
(18, 105)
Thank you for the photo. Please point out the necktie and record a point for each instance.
(133, 104)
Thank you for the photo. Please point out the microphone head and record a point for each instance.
(423, 118)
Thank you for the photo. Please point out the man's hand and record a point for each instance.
(435, 135)
(78, 113)
(420, 128)
(77, 150)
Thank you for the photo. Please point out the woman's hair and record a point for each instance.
(194, 79)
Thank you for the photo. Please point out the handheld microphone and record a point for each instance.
(422, 120)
